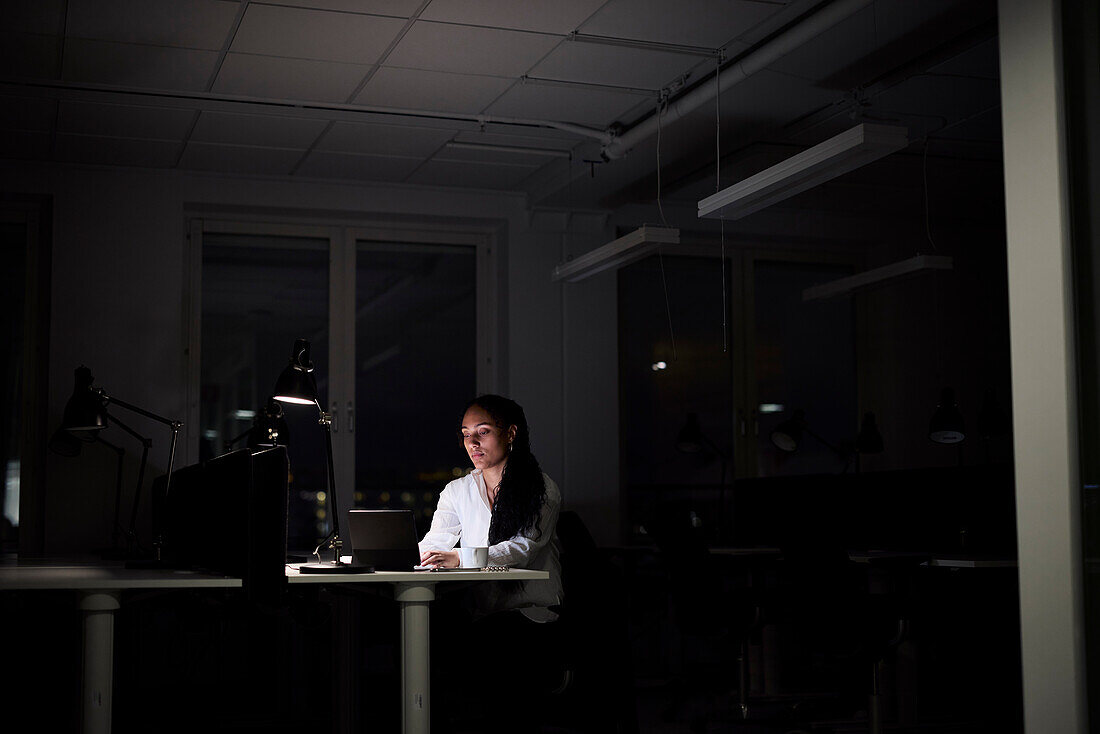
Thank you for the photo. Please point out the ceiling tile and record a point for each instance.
(274, 78)
(705, 23)
(545, 16)
(397, 8)
(325, 164)
(131, 65)
(183, 23)
(29, 56)
(472, 175)
(570, 104)
(315, 34)
(116, 151)
(469, 50)
(124, 121)
(615, 65)
(41, 16)
(274, 131)
(431, 90)
(239, 159)
(25, 145)
(27, 113)
(352, 137)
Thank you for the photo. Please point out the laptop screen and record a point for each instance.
(385, 539)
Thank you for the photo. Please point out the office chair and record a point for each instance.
(713, 606)
(595, 691)
(826, 604)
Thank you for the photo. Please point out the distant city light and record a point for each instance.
(320, 498)
(384, 497)
(771, 407)
(210, 434)
(659, 366)
(244, 415)
(407, 498)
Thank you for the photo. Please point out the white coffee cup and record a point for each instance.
(473, 557)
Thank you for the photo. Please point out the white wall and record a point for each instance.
(118, 306)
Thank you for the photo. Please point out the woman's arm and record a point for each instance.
(446, 529)
(517, 550)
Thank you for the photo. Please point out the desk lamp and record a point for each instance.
(86, 415)
(947, 424)
(296, 386)
(66, 444)
(692, 440)
(268, 429)
(788, 435)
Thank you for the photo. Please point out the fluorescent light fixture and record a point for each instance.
(490, 147)
(244, 415)
(770, 407)
(891, 272)
(617, 253)
(836, 156)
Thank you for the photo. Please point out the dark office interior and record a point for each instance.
(801, 446)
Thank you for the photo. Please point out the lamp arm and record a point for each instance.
(825, 443)
(130, 406)
(121, 455)
(331, 481)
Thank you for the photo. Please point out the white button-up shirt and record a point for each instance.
(463, 516)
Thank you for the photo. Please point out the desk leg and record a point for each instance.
(98, 609)
(415, 656)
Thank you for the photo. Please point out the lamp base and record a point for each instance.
(334, 567)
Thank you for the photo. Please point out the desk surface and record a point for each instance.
(91, 575)
(64, 575)
(405, 577)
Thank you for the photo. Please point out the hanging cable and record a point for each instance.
(717, 188)
(664, 222)
(927, 216)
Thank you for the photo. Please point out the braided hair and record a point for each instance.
(522, 490)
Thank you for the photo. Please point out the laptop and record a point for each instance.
(385, 539)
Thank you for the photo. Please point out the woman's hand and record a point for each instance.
(443, 559)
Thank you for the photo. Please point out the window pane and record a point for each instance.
(805, 360)
(415, 342)
(695, 383)
(259, 294)
(13, 253)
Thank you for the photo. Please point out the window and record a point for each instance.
(401, 328)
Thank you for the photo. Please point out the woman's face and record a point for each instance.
(486, 444)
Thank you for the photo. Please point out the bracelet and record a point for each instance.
(496, 568)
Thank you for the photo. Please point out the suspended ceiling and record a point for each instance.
(389, 90)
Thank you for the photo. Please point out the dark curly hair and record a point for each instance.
(522, 490)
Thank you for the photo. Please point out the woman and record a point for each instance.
(505, 503)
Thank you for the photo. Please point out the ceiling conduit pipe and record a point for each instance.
(736, 72)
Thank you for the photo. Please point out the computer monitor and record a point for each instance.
(228, 516)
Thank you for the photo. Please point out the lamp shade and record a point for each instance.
(869, 440)
(947, 424)
(788, 434)
(296, 383)
(690, 438)
(86, 410)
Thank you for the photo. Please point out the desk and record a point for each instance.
(937, 560)
(101, 586)
(414, 591)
